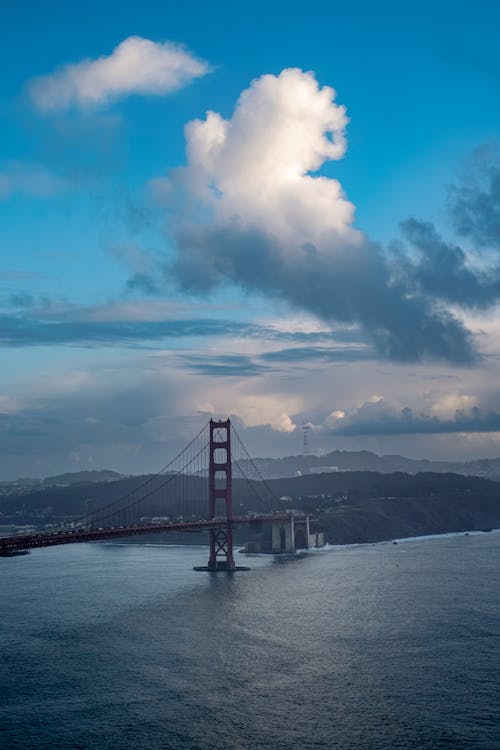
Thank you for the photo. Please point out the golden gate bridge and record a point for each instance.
(199, 489)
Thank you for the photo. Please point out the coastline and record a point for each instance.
(405, 540)
(326, 547)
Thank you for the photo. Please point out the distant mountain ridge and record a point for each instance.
(63, 480)
(274, 468)
(290, 466)
(82, 477)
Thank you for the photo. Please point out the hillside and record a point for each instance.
(355, 507)
(348, 506)
(273, 468)
(289, 466)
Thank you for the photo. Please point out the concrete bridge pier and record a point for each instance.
(290, 535)
(283, 536)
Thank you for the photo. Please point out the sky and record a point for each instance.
(283, 213)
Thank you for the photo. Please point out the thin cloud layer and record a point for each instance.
(23, 330)
(28, 179)
(255, 214)
(27, 321)
(136, 66)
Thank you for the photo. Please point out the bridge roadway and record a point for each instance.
(72, 536)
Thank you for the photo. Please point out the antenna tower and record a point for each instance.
(306, 427)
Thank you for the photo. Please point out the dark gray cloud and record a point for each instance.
(441, 270)
(474, 203)
(446, 271)
(242, 365)
(48, 326)
(352, 284)
(143, 282)
(377, 419)
(102, 423)
(26, 331)
(239, 365)
(319, 353)
(21, 299)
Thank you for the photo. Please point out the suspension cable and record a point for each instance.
(146, 482)
(252, 462)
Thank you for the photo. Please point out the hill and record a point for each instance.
(349, 506)
(354, 507)
(273, 468)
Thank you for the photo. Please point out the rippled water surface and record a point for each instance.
(378, 647)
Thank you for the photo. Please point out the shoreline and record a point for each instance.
(406, 539)
(398, 540)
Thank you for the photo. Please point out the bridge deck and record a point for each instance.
(73, 536)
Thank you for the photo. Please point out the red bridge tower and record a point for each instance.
(220, 486)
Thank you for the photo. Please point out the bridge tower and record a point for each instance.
(220, 487)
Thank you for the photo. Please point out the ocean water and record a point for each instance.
(373, 647)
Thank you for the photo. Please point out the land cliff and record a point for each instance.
(348, 506)
(369, 507)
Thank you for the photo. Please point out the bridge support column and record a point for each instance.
(283, 536)
(220, 486)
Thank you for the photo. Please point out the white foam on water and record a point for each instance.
(398, 540)
(445, 535)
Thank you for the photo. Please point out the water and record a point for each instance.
(363, 647)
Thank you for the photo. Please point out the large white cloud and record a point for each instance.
(136, 66)
(251, 208)
(256, 166)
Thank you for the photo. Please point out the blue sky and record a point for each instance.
(143, 289)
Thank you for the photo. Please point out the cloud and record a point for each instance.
(118, 419)
(254, 409)
(28, 179)
(232, 365)
(127, 416)
(39, 321)
(256, 165)
(467, 274)
(18, 330)
(144, 283)
(21, 299)
(449, 404)
(320, 353)
(249, 209)
(381, 417)
(136, 66)
(143, 279)
(143, 403)
(474, 203)
(444, 271)
(15, 276)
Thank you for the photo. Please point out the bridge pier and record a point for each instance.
(221, 556)
(289, 536)
(283, 537)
